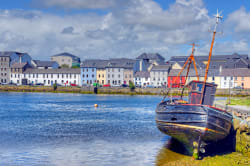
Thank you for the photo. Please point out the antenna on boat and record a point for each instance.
(218, 16)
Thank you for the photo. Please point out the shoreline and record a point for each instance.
(116, 91)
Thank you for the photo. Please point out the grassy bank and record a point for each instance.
(115, 90)
(240, 101)
(167, 157)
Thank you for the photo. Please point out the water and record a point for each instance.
(65, 129)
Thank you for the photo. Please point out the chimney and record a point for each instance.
(220, 68)
(20, 59)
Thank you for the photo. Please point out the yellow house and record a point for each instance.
(215, 79)
(101, 76)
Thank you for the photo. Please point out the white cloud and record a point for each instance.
(239, 24)
(125, 31)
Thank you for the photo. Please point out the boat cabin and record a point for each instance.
(195, 93)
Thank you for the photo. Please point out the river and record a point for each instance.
(66, 129)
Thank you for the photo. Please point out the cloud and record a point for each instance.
(68, 30)
(124, 31)
(238, 22)
(75, 4)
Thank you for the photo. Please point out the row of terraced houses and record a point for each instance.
(147, 70)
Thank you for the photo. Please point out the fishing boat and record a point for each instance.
(195, 122)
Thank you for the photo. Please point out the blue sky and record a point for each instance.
(117, 28)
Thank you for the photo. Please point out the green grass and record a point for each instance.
(240, 101)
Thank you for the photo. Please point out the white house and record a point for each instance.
(142, 78)
(48, 76)
(159, 75)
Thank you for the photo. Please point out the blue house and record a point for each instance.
(88, 72)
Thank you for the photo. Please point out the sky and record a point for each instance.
(106, 29)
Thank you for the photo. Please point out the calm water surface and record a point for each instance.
(65, 129)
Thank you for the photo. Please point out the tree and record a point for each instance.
(131, 86)
(64, 66)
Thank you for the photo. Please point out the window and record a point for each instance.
(126, 76)
(102, 81)
(93, 75)
(119, 81)
(112, 75)
(102, 75)
(232, 78)
(242, 78)
(118, 75)
(43, 76)
(66, 75)
(62, 81)
(119, 70)
(225, 78)
(83, 75)
(112, 70)
(87, 70)
(62, 76)
(99, 75)
(93, 70)
(48, 81)
(57, 75)
(213, 78)
(69, 75)
(36, 75)
(108, 75)
(87, 75)
(90, 81)
(235, 78)
(82, 70)
(47, 75)
(51, 75)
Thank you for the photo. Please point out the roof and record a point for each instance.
(52, 71)
(95, 63)
(18, 65)
(142, 74)
(161, 68)
(112, 63)
(9, 53)
(44, 63)
(66, 54)
(235, 72)
(151, 56)
(213, 58)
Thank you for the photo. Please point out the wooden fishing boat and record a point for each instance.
(195, 122)
(192, 123)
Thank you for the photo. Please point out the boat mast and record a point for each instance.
(217, 16)
(189, 62)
